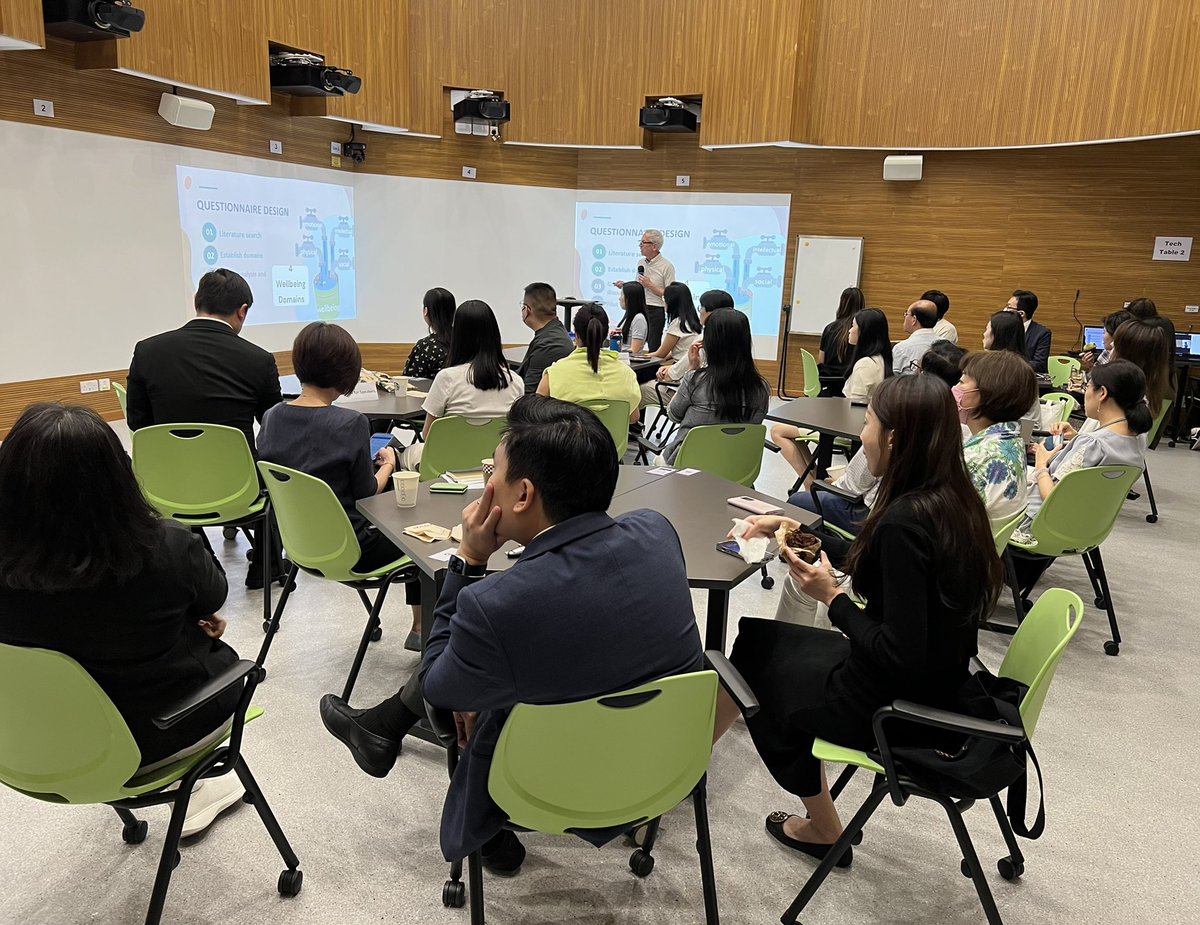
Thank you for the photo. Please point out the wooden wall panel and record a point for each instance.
(22, 20)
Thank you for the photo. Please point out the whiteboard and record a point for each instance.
(824, 267)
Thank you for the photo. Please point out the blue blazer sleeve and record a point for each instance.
(1039, 350)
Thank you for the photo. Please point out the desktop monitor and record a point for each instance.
(1094, 335)
(1187, 345)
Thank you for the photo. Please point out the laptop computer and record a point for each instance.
(1095, 336)
(1187, 345)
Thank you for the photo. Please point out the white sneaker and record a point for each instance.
(210, 798)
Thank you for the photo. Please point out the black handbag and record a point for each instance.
(981, 767)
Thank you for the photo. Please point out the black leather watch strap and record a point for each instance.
(460, 566)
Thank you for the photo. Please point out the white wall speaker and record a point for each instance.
(185, 112)
(902, 166)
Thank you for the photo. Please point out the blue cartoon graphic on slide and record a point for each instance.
(293, 241)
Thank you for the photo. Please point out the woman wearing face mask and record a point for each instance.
(925, 564)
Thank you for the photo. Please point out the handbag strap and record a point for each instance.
(1017, 796)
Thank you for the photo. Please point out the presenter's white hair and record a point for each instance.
(654, 235)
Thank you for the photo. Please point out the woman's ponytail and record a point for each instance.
(591, 331)
(1126, 386)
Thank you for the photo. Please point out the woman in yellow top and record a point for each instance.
(591, 373)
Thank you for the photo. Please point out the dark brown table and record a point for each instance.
(386, 406)
(834, 416)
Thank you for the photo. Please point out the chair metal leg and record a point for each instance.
(1113, 646)
(1015, 857)
(170, 853)
(272, 625)
(475, 887)
(1152, 517)
(651, 834)
(972, 862)
(708, 877)
(809, 890)
(1010, 569)
(126, 816)
(266, 562)
(270, 823)
(367, 636)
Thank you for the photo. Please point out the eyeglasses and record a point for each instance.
(645, 243)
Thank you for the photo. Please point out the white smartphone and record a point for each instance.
(755, 506)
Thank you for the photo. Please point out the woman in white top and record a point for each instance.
(476, 381)
(683, 329)
(870, 364)
(634, 324)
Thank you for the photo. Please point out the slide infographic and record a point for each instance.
(293, 240)
(740, 248)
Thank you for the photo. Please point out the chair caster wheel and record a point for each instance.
(1112, 648)
(1026, 604)
(1100, 602)
(965, 868)
(290, 882)
(768, 582)
(377, 634)
(1151, 518)
(248, 797)
(857, 839)
(135, 833)
(178, 858)
(262, 674)
(230, 533)
(1009, 870)
(249, 552)
(641, 863)
(454, 894)
(267, 626)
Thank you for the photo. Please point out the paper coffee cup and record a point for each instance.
(489, 467)
(406, 484)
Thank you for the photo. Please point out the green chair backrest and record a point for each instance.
(62, 740)
(457, 444)
(121, 399)
(614, 415)
(732, 451)
(1060, 369)
(1080, 512)
(812, 376)
(1066, 404)
(313, 525)
(1156, 427)
(197, 474)
(1004, 532)
(1037, 647)
(613, 760)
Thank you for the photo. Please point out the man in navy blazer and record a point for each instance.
(1037, 337)
(574, 618)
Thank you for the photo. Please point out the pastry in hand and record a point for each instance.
(802, 543)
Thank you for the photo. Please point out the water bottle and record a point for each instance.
(614, 343)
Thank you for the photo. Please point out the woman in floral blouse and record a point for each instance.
(429, 353)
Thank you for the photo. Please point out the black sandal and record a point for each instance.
(775, 823)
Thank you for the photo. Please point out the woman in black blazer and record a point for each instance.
(88, 569)
(925, 564)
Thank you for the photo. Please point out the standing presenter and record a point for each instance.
(655, 273)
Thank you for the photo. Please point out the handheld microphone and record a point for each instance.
(641, 270)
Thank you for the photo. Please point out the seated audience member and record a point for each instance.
(870, 364)
(926, 566)
(475, 383)
(88, 569)
(1005, 331)
(997, 387)
(943, 329)
(1146, 310)
(591, 372)
(1093, 357)
(1115, 400)
(833, 357)
(489, 649)
(683, 330)
(634, 323)
(729, 390)
(710, 301)
(429, 353)
(1037, 338)
(919, 319)
(551, 342)
(944, 360)
(333, 443)
(205, 373)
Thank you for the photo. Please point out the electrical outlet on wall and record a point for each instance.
(335, 147)
(89, 385)
(105, 385)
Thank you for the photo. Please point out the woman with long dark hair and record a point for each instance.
(88, 569)
(591, 372)
(475, 382)
(429, 353)
(729, 390)
(1005, 331)
(870, 363)
(635, 324)
(683, 329)
(926, 567)
(833, 358)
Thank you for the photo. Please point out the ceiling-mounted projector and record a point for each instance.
(667, 115)
(89, 20)
(482, 105)
(303, 74)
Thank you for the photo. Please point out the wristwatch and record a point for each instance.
(460, 566)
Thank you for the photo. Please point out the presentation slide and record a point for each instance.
(736, 247)
(293, 240)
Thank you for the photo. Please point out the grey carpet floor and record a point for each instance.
(1117, 742)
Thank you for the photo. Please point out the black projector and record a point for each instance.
(91, 20)
(487, 109)
(667, 119)
(313, 80)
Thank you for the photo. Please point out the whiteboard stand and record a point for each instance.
(825, 265)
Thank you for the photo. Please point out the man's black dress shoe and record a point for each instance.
(503, 853)
(375, 754)
(775, 823)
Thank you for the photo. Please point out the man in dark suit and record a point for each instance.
(574, 618)
(551, 342)
(1037, 337)
(205, 372)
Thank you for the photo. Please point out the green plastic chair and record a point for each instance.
(614, 415)
(1077, 517)
(203, 475)
(1152, 439)
(1066, 402)
(732, 451)
(618, 761)
(320, 539)
(1001, 536)
(812, 375)
(122, 399)
(1032, 658)
(1060, 369)
(458, 444)
(63, 741)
